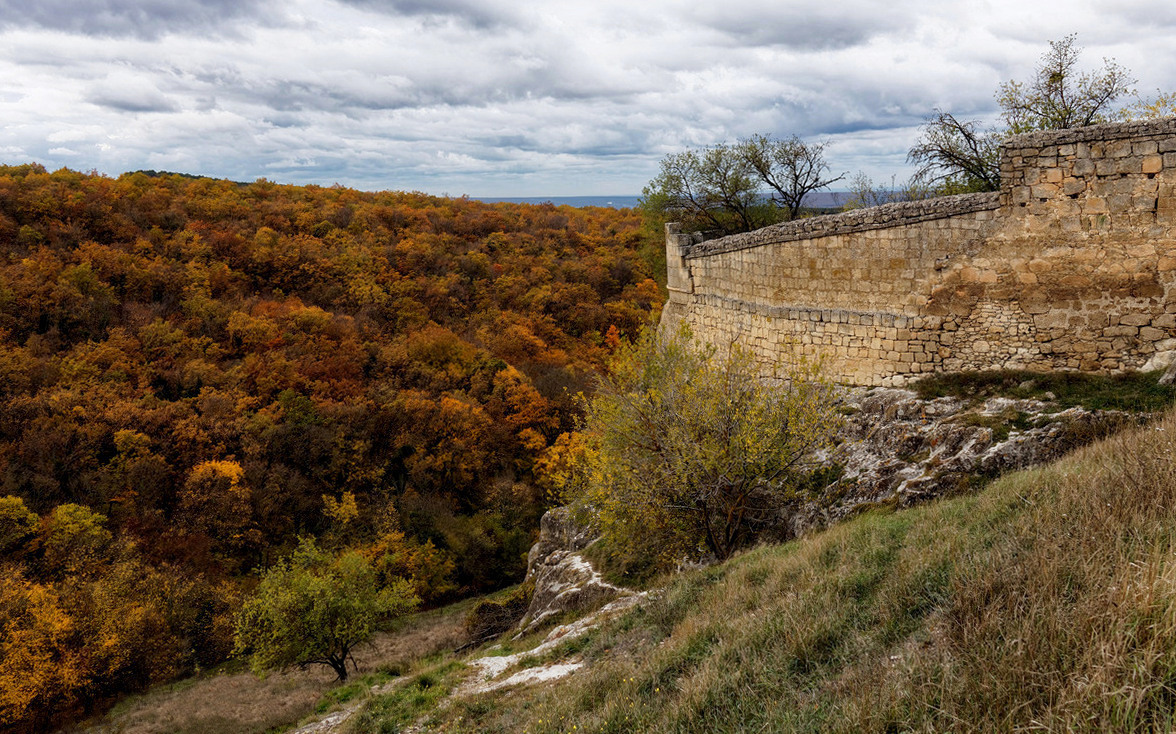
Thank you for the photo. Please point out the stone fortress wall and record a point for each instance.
(1070, 266)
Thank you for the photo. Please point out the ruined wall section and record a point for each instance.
(1072, 265)
(1081, 272)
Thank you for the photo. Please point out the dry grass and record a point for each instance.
(1045, 603)
(232, 702)
(241, 703)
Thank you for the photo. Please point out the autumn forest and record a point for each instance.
(197, 373)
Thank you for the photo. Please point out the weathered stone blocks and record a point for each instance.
(1072, 265)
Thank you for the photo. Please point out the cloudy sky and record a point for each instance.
(518, 97)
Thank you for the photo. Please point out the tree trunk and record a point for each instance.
(339, 665)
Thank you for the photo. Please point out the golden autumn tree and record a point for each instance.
(215, 501)
(38, 665)
(688, 451)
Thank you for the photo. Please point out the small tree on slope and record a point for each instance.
(313, 609)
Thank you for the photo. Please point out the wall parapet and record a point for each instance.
(899, 214)
(1093, 133)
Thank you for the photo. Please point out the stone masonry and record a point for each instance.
(1070, 266)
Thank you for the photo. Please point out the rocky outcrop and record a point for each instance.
(564, 579)
(489, 671)
(898, 449)
(893, 449)
(558, 531)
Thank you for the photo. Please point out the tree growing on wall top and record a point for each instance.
(1060, 95)
(737, 188)
(957, 155)
(791, 168)
(708, 189)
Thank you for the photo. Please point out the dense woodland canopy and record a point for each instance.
(194, 373)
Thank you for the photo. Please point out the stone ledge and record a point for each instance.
(886, 216)
(1092, 134)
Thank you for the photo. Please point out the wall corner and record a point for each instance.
(679, 280)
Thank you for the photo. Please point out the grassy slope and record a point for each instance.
(234, 701)
(1045, 602)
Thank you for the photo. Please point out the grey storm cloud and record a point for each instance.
(130, 18)
(803, 26)
(516, 97)
(126, 101)
(476, 13)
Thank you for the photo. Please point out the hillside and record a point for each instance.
(194, 373)
(1045, 602)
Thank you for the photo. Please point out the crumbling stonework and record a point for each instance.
(1070, 266)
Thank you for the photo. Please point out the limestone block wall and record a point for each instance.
(1072, 265)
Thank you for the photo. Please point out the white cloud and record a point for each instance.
(503, 97)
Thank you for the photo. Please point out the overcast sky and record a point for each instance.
(518, 98)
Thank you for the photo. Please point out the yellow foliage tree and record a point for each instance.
(1155, 108)
(215, 501)
(428, 569)
(74, 540)
(38, 666)
(342, 510)
(17, 524)
(687, 451)
(555, 469)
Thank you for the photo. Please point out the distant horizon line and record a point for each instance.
(818, 199)
(593, 196)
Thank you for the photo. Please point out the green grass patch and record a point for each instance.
(354, 689)
(1131, 391)
(340, 695)
(391, 713)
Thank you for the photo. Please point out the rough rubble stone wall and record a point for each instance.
(1071, 266)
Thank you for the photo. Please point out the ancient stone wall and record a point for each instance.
(1072, 265)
